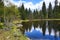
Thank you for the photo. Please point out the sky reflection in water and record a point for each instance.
(38, 35)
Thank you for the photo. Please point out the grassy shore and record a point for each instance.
(36, 20)
(11, 33)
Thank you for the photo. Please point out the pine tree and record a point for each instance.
(55, 11)
(59, 7)
(44, 10)
(56, 2)
(59, 11)
(26, 12)
(35, 14)
(22, 12)
(29, 14)
(50, 14)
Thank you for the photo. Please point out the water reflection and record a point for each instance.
(26, 26)
(45, 27)
(50, 25)
(38, 34)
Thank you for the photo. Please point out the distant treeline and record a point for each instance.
(42, 14)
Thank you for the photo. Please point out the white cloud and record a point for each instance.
(34, 6)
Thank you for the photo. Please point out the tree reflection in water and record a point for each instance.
(55, 25)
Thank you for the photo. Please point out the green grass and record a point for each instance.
(37, 20)
(20, 21)
(9, 35)
(12, 34)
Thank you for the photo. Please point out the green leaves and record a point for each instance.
(11, 12)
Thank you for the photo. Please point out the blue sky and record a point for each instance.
(33, 1)
(16, 0)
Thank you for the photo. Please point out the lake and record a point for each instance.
(42, 30)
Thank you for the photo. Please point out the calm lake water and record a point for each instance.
(42, 30)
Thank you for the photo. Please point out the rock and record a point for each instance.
(28, 38)
(19, 25)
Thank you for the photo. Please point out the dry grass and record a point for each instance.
(9, 35)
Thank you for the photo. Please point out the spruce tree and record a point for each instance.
(35, 14)
(55, 11)
(50, 14)
(22, 12)
(29, 14)
(26, 12)
(44, 10)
